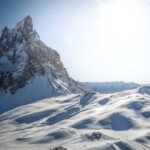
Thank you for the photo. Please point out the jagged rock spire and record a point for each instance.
(23, 56)
(25, 24)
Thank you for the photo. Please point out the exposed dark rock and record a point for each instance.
(59, 148)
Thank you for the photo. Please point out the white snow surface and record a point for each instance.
(92, 121)
(37, 88)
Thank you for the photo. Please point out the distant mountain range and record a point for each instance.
(110, 87)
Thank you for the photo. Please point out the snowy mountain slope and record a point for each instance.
(28, 66)
(110, 87)
(119, 121)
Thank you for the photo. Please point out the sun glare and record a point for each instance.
(122, 31)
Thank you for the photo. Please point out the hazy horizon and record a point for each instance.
(98, 41)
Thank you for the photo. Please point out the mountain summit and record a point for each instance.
(27, 64)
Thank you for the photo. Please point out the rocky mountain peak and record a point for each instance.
(22, 33)
(26, 24)
(24, 57)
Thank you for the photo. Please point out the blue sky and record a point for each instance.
(98, 40)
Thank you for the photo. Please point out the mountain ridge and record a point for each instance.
(22, 51)
(110, 87)
(30, 70)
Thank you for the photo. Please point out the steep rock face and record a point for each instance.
(24, 56)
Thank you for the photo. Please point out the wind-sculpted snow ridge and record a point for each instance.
(93, 121)
(144, 90)
(29, 70)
